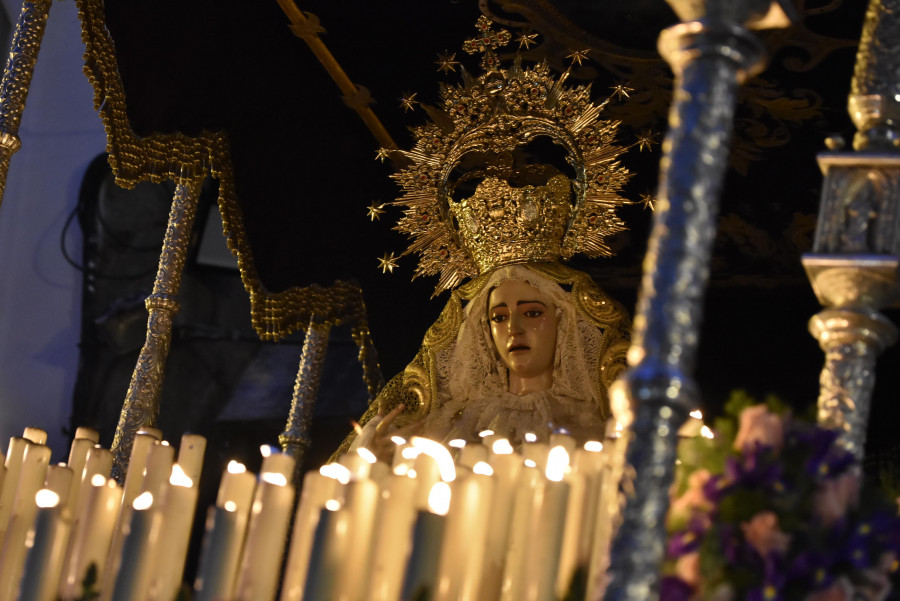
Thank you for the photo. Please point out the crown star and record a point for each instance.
(387, 263)
(447, 62)
(622, 91)
(382, 153)
(526, 40)
(648, 201)
(375, 211)
(408, 102)
(646, 140)
(577, 56)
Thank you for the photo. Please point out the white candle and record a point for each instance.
(154, 432)
(92, 535)
(134, 480)
(277, 463)
(361, 501)
(266, 534)
(507, 468)
(31, 479)
(225, 535)
(427, 540)
(178, 506)
(462, 554)
(547, 525)
(59, 480)
(77, 460)
(35, 435)
(142, 531)
(14, 457)
(97, 463)
(607, 512)
(89, 433)
(328, 549)
(573, 533)
(160, 458)
(393, 530)
(134, 477)
(46, 546)
(519, 536)
(221, 549)
(317, 489)
(190, 455)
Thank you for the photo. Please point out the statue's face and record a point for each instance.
(523, 326)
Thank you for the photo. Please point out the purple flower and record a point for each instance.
(673, 588)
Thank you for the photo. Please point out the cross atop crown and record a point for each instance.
(487, 41)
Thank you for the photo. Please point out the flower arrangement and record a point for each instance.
(773, 508)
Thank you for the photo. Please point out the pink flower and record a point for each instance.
(763, 535)
(688, 568)
(693, 497)
(759, 425)
(834, 496)
(876, 582)
(840, 590)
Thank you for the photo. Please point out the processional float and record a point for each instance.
(853, 269)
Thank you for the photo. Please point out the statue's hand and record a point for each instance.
(381, 444)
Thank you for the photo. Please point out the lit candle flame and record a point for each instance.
(46, 498)
(439, 498)
(401, 469)
(697, 414)
(230, 506)
(332, 504)
(593, 446)
(236, 467)
(457, 443)
(705, 432)
(274, 478)
(440, 454)
(398, 440)
(143, 501)
(367, 455)
(335, 471)
(486, 433)
(410, 452)
(530, 437)
(530, 463)
(501, 446)
(98, 480)
(179, 478)
(557, 462)
(483, 468)
(266, 450)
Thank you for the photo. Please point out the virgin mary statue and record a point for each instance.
(526, 346)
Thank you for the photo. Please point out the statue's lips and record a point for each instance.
(518, 347)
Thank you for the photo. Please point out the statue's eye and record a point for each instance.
(498, 318)
(533, 313)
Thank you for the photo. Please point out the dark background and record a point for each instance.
(305, 175)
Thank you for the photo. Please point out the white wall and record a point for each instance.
(40, 294)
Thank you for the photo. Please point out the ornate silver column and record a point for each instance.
(295, 438)
(711, 52)
(141, 405)
(854, 264)
(23, 53)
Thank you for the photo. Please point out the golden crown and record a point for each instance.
(516, 213)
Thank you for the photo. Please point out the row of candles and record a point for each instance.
(480, 521)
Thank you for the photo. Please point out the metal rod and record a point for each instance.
(710, 56)
(23, 53)
(141, 406)
(295, 438)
